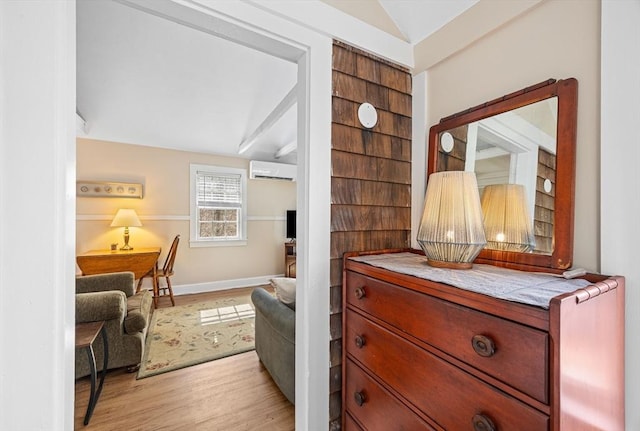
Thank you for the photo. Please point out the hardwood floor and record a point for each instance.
(234, 393)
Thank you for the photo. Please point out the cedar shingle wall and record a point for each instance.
(545, 208)
(455, 160)
(371, 175)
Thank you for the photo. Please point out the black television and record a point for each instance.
(291, 224)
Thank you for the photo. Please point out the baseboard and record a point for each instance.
(214, 286)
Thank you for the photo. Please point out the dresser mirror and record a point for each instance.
(528, 138)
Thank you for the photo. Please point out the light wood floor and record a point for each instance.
(234, 393)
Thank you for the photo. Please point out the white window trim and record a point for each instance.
(193, 207)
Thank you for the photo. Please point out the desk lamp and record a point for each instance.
(126, 218)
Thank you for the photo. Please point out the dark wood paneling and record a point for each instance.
(335, 379)
(402, 126)
(543, 214)
(367, 68)
(344, 112)
(388, 239)
(344, 60)
(454, 160)
(349, 87)
(342, 242)
(335, 405)
(392, 77)
(335, 266)
(378, 96)
(335, 326)
(371, 175)
(349, 218)
(376, 144)
(335, 298)
(399, 103)
(394, 171)
(348, 139)
(401, 149)
(350, 191)
(351, 165)
(335, 349)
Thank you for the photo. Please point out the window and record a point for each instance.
(218, 206)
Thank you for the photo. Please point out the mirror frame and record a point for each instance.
(567, 92)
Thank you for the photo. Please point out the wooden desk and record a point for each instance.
(139, 261)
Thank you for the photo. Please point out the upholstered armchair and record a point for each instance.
(111, 298)
(276, 339)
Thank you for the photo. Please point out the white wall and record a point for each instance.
(620, 176)
(561, 39)
(553, 39)
(165, 212)
(37, 207)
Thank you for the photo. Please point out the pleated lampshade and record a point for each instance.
(451, 232)
(507, 222)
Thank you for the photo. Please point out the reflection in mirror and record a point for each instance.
(527, 138)
(507, 223)
(514, 147)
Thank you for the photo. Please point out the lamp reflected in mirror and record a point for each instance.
(507, 221)
(525, 137)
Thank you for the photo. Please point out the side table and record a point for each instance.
(86, 334)
(290, 259)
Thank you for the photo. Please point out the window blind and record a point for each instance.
(219, 190)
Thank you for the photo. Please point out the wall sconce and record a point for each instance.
(451, 232)
(507, 223)
(126, 218)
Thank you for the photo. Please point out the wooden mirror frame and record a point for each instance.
(566, 91)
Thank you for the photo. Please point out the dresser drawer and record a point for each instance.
(374, 407)
(511, 352)
(445, 393)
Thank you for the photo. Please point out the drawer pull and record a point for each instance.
(360, 341)
(360, 292)
(360, 398)
(484, 346)
(483, 423)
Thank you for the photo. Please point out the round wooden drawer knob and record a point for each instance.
(360, 398)
(360, 293)
(482, 423)
(360, 341)
(483, 346)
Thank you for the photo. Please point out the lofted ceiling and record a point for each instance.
(145, 80)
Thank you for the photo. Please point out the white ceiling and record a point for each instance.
(417, 19)
(144, 80)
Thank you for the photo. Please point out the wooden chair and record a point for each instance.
(165, 272)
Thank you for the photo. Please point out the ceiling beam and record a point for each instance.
(287, 149)
(289, 100)
(81, 125)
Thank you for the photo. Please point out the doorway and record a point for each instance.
(312, 323)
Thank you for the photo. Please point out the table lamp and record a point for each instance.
(451, 232)
(507, 223)
(126, 218)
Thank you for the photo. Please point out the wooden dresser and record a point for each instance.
(419, 354)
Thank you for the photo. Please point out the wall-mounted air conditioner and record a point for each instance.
(272, 171)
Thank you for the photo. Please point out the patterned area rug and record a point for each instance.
(187, 335)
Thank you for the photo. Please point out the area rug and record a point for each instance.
(187, 335)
